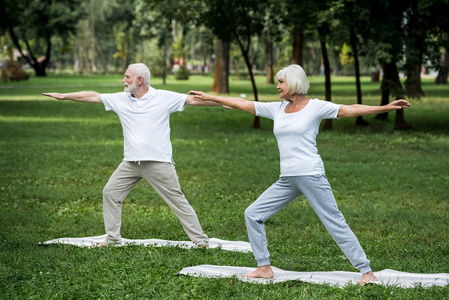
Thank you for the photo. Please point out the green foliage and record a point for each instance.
(182, 73)
(55, 158)
(346, 57)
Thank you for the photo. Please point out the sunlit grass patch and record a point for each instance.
(56, 157)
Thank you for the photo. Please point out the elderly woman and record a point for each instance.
(296, 125)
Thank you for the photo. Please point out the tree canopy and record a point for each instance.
(31, 25)
(91, 36)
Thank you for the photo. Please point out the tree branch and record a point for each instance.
(17, 44)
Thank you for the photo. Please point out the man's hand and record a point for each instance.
(88, 97)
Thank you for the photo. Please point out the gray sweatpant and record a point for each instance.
(318, 192)
(162, 177)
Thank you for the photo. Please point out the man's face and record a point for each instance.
(130, 81)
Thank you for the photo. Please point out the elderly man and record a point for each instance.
(144, 114)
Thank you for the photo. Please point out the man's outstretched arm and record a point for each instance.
(88, 97)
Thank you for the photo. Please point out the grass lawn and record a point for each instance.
(55, 158)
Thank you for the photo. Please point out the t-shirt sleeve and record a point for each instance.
(175, 101)
(111, 101)
(267, 109)
(327, 109)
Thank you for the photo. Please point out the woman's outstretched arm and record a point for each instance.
(355, 110)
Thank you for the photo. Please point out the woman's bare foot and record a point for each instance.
(368, 278)
(261, 272)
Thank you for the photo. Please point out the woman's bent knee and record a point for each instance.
(251, 216)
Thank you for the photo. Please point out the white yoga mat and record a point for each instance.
(213, 243)
(335, 278)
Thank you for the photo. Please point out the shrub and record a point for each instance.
(182, 74)
(13, 72)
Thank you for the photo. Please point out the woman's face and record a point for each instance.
(282, 88)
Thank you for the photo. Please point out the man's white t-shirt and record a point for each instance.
(146, 122)
(296, 134)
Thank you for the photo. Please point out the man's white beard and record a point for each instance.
(131, 88)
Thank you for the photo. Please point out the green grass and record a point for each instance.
(56, 157)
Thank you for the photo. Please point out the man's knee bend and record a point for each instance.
(108, 193)
(249, 214)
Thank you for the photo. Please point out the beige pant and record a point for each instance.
(162, 177)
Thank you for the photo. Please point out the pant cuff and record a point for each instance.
(263, 262)
(201, 243)
(113, 242)
(365, 269)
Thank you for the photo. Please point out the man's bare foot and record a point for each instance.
(261, 272)
(368, 278)
(204, 246)
(104, 244)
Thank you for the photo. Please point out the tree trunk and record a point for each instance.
(221, 70)
(416, 47)
(245, 54)
(400, 122)
(256, 123)
(359, 120)
(163, 43)
(387, 84)
(327, 75)
(444, 69)
(217, 67)
(223, 87)
(413, 81)
(392, 85)
(164, 62)
(268, 41)
(298, 42)
(101, 57)
(92, 40)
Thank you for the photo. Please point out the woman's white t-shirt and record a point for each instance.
(146, 122)
(296, 134)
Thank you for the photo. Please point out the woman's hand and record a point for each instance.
(200, 95)
(397, 104)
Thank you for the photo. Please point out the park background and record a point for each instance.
(389, 172)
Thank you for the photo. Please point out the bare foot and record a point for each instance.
(261, 272)
(104, 244)
(368, 278)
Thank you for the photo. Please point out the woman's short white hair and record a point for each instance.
(296, 79)
(141, 70)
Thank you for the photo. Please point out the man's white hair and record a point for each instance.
(141, 70)
(296, 79)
